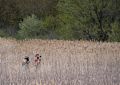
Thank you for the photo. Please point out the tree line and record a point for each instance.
(61, 19)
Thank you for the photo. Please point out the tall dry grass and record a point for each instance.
(63, 62)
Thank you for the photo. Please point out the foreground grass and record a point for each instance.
(63, 63)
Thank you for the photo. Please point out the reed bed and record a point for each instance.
(63, 62)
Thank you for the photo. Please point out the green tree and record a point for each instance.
(115, 34)
(66, 20)
(31, 27)
(50, 23)
(9, 16)
(96, 18)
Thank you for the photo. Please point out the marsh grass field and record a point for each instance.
(63, 62)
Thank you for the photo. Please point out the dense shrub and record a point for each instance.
(31, 27)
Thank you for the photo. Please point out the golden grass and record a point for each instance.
(63, 62)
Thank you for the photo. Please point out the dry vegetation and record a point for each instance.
(63, 62)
